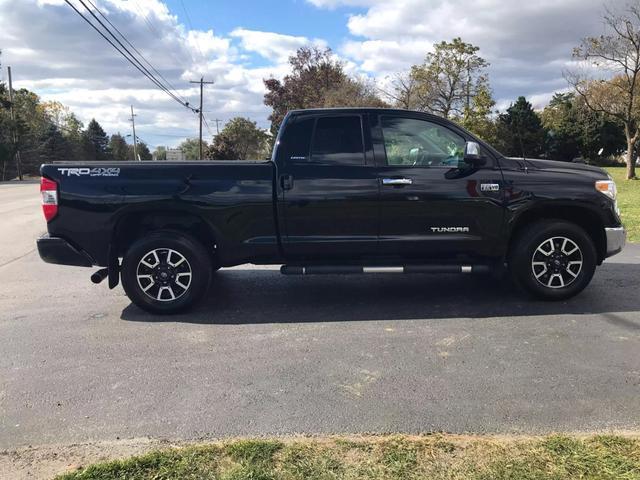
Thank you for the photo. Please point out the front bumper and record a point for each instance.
(58, 250)
(616, 239)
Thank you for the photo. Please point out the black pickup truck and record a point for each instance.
(346, 191)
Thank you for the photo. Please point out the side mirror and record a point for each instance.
(473, 155)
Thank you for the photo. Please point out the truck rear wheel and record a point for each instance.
(166, 272)
(553, 259)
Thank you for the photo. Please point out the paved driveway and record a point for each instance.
(268, 354)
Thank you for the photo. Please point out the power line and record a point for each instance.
(154, 31)
(130, 58)
(191, 26)
(206, 124)
(135, 49)
(146, 71)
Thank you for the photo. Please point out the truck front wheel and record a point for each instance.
(166, 272)
(553, 259)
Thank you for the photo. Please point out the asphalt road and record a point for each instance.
(268, 354)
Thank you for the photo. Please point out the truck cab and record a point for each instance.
(387, 186)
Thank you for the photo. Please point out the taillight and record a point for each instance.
(49, 192)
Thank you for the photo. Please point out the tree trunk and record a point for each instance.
(631, 158)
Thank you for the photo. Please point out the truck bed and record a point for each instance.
(95, 197)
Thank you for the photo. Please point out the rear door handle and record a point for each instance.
(286, 182)
(397, 181)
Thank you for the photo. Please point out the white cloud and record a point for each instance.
(339, 3)
(272, 46)
(55, 53)
(527, 43)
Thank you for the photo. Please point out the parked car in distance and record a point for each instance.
(356, 190)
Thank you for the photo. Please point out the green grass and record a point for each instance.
(434, 457)
(628, 201)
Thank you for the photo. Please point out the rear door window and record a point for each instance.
(338, 140)
(297, 140)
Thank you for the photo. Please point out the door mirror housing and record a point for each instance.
(473, 154)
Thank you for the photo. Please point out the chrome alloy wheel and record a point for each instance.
(164, 274)
(557, 262)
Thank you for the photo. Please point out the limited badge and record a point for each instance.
(489, 187)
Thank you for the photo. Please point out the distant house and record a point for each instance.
(175, 155)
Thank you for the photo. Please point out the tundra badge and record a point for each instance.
(450, 229)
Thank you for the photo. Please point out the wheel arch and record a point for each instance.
(589, 220)
(131, 226)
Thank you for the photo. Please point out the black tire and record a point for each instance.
(156, 282)
(539, 263)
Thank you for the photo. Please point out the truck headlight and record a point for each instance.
(608, 187)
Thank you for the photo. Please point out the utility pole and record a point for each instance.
(217, 120)
(202, 83)
(15, 129)
(135, 139)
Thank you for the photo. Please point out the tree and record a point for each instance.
(617, 52)
(317, 79)
(572, 130)
(31, 124)
(519, 130)
(560, 120)
(53, 147)
(598, 135)
(191, 148)
(142, 150)
(448, 80)
(240, 139)
(96, 142)
(477, 116)
(6, 141)
(353, 92)
(404, 91)
(160, 153)
(119, 148)
(44, 131)
(72, 131)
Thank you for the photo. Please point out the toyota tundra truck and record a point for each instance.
(355, 190)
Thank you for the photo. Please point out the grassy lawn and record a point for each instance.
(431, 457)
(628, 201)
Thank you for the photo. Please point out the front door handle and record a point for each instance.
(397, 181)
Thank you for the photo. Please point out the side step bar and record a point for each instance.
(351, 269)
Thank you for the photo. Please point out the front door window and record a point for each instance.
(420, 143)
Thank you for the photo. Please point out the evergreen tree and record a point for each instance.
(96, 142)
(560, 120)
(119, 148)
(519, 131)
(142, 150)
(53, 146)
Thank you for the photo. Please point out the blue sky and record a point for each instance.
(240, 43)
(291, 17)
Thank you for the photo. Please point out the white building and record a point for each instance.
(175, 155)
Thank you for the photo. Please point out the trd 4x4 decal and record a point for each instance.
(91, 172)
